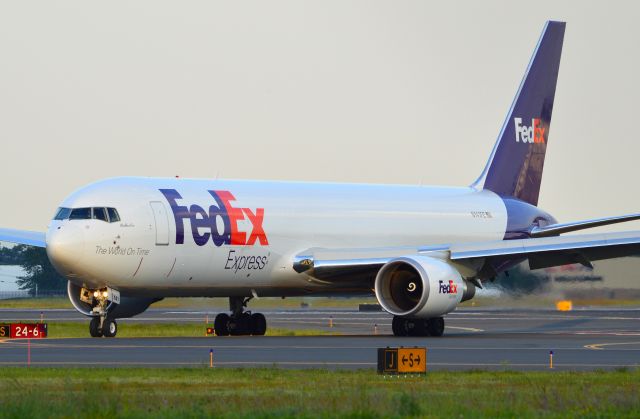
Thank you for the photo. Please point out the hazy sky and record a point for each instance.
(366, 91)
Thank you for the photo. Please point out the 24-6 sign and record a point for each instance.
(23, 331)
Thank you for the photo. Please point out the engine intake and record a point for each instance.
(420, 287)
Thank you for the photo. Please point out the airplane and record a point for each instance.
(125, 243)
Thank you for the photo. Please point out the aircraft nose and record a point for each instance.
(65, 247)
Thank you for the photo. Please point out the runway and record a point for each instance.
(474, 339)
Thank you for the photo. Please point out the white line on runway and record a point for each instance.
(324, 363)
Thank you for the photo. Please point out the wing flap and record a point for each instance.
(555, 229)
(595, 244)
(30, 238)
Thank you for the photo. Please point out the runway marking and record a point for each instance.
(20, 343)
(470, 329)
(599, 346)
(544, 365)
(203, 364)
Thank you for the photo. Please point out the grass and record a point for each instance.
(203, 303)
(136, 330)
(270, 393)
(222, 304)
(36, 303)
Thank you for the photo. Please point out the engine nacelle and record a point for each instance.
(420, 287)
(128, 307)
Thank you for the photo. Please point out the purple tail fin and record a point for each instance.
(517, 160)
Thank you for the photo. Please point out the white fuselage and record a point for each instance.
(269, 223)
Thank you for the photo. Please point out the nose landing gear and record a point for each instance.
(240, 322)
(101, 300)
(108, 328)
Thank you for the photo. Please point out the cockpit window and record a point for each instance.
(114, 217)
(109, 215)
(100, 214)
(62, 213)
(80, 214)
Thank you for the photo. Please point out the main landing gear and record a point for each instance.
(240, 322)
(417, 327)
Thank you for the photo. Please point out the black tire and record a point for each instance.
(109, 328)
(241, 325)
(419, 327)
(435, 326)
(94, 328)
(399, 326)
(221, 324)
(258, 324)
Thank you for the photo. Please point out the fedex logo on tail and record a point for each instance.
(535, 133)
(204, 222)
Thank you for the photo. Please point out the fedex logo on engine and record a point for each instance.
(449, 288)
(219, 222)
(529, 134)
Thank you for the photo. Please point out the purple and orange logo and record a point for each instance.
(534, 133)
(205, 226)
(450, 288)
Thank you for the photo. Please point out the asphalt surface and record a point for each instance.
(474, 339)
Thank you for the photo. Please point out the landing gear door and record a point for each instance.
(162, 223)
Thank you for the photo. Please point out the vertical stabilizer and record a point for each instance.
(515, 166)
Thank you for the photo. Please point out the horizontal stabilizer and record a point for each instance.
(30, 238)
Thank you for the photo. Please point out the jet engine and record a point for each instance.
(421, 287)
(84, 301)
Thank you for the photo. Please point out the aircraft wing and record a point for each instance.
(31, 238)
(554, 251)
(360, 265)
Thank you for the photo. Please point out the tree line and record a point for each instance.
(39, 273)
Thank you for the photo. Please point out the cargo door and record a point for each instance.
(162, 223)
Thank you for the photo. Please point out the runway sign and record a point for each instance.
(23, 330)
(402, 360)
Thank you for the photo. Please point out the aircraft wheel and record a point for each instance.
(258, 324)
(109, 328)
(94, 328)
(399, 326)
(420, 328)
(240, 325)
(435, 326)
(221, 324)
